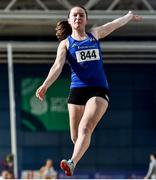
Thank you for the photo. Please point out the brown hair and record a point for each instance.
(63, 28)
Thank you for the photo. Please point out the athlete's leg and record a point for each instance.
(94, 110)
(75, 115)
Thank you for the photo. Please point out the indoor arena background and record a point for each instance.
(125, 138)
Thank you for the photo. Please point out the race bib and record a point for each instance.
(87, 55)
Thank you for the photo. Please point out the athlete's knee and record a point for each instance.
(85, 130)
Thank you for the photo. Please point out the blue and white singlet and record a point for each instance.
(85, 59)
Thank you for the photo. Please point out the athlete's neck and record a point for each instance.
(79, 35)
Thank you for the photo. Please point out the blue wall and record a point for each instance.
(121, 142)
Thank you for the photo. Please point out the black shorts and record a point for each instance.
(80, 96)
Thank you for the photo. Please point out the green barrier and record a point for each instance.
(52, 113)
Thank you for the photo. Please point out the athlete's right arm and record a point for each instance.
(55, 70)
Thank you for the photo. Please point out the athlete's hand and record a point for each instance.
(40, 93)
(135, 17)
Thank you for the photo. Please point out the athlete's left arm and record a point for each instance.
(104, 30)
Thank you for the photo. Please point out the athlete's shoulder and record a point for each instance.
(63, 43)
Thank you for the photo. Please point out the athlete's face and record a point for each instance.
(77, 18)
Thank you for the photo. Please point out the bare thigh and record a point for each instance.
(94, 110)
(75, 115)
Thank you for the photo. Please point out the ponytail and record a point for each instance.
(63, 30)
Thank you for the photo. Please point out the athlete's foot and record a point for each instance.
(67, 166)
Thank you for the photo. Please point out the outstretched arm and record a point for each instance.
(106, 29)
(55, 70)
